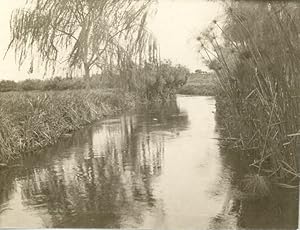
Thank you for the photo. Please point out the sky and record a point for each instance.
(175, 25)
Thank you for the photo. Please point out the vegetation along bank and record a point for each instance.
(30, 120)
(259, 102)
(200, 83)
(105, 62)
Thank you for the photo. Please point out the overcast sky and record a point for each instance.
(175, 25)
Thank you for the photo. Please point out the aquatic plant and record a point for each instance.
(255, 54)
(30, 121)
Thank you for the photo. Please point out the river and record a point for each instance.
(161, 167)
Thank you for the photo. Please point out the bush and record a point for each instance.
(6, 86)
(30, 84)
(203, 84)
(162, 81)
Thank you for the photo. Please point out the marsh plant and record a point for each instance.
(30, 121)
(255, 54)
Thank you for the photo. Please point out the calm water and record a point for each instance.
(158, 168)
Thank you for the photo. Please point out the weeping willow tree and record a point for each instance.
(79, 34)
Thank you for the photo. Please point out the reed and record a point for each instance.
(30, 121)
(257, 61)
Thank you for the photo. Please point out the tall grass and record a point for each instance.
(32, 120)
(257, 61)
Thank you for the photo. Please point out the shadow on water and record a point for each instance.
(160, 167)
(277, 210)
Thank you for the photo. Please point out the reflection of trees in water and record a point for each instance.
(103, 176)
(7, 185)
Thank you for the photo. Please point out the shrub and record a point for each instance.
(6, 86)
(30, 84)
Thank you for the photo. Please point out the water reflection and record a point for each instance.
(158, 168)
(279, 210)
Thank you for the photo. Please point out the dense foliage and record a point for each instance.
(154, 81)
(37, 115)
(257, 61)
(200, 83)
(30, 121)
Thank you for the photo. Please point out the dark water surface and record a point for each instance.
(159, 168)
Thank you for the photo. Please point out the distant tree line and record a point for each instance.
(87, 36)
(56, 83)
(153, 80)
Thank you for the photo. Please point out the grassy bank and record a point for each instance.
(32, 120)
(203, 84)
(44, 110)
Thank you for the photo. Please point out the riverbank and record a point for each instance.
(145, 156)
(32, 120)
(249, 142)
(200, 84)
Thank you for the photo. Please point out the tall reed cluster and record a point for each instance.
(29, 121)
(255, 53)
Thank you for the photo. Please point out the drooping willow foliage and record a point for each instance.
(257, 60)
(82, 34)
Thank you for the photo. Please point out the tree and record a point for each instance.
(80, 33)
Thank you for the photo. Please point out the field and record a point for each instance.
(200, 84)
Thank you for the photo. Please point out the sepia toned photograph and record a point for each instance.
(149, 114)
